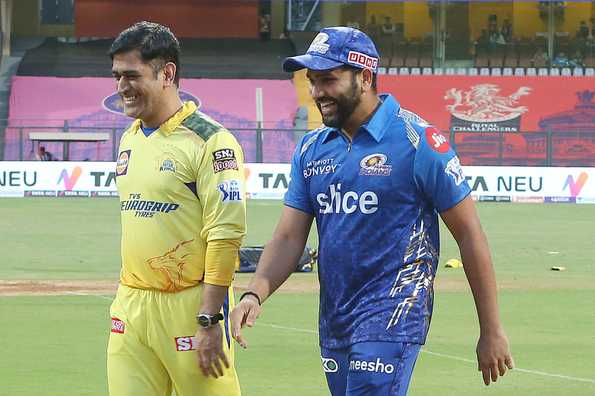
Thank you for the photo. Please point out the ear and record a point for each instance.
(367, 76)
(169, 72)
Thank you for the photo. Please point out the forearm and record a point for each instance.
(278, 261)
(482, 280)
(212, 299)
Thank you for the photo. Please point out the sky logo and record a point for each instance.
(576, 186)
(70, 180)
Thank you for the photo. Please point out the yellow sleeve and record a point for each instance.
(222, 259)
(221, 188)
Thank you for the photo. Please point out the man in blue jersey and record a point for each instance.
(375, 176)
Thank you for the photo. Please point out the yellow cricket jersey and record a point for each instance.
(180, 188)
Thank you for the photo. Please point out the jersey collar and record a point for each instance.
(380, 121)
(174, 121)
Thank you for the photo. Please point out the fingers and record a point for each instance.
(501, 367)
(485, 372)
(243, 314)
(252, 315)
(509, 362)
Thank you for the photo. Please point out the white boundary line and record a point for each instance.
(424, 350)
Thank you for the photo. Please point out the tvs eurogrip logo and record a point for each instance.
(70, 179)
(575, 186)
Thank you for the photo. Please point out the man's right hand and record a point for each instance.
(244, 314)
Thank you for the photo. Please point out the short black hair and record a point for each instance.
(153, 41)
(357, 70)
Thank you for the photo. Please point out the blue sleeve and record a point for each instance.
(438, 171)
(297, 192)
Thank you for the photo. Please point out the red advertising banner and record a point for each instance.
(504, 101)
(521, 121)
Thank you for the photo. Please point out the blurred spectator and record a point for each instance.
(265, 27)
(353, 24)
(561, 60)
(540, 58)
(43, 155)
(506, 31)
(373, 28)
(583, 31)
(497, 38)
(388, 27)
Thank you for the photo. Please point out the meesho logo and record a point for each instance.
(70, 180)
(576, 186)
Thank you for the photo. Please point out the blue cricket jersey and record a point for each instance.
(376, 202)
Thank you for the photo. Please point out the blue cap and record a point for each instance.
(334, 47)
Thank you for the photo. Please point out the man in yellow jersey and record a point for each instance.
(181, 186)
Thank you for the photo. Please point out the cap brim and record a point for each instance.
(308, 61)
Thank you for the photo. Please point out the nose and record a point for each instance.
(316, 91)
(122, 85)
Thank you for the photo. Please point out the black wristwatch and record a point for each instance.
(205, 320)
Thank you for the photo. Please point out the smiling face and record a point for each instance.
(139, 85)
(337, 93)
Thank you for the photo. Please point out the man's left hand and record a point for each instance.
(493, 356)
(209, 342)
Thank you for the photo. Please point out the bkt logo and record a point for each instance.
(373, 366)
(348, 202)
(576, 186)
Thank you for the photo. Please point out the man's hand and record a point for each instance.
(245, 313)
(210, 355)
(493, 356)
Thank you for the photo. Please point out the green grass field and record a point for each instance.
(55, 345)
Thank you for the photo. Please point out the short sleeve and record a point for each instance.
(221, 188)
(297, 193)
(438, 171)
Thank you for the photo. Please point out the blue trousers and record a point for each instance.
(370, 368)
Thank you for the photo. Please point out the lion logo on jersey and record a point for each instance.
(483, 102)
(171, 265)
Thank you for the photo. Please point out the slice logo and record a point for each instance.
(117, 326)
(70, 180)
(122, 164)
(329, 365)
(436, 140)
(575, 187)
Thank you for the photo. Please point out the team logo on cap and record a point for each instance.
(363, 60)
(319, 44)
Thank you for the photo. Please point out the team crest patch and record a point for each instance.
(329, 365)
(224, 159)
(117, 326)
(436, 140)
(375, 165)
(167, 165)
(230, 191)
(122, 163)
(455, 170)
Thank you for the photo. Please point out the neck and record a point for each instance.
(361, 114)
(170, 105)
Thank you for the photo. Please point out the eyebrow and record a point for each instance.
(130, 73)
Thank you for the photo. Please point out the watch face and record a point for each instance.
(204, 320)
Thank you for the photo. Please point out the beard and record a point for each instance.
(346, 104)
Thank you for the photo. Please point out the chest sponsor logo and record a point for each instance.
(436, 140)
(455, 170)
(168, 165)
(329, 365)
(144, 208)
(117, 326)
(122, 163)
(347, 202)
(375, 165)
(230, 191)
(320, 167)
(373, 366)
(184, 344)
(224, 159)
